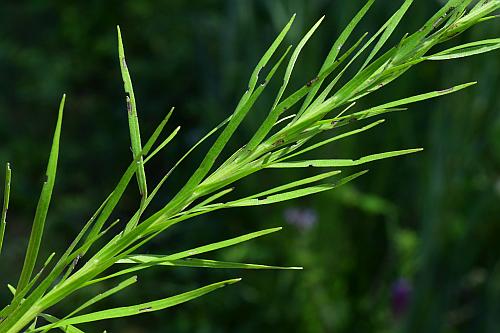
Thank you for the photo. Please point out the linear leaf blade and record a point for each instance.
(147, 261)
(122, 285)
(6, 197)
(43, 205)
(269, 53)
(294, 194)
(133, 120)
(205, 263)
(389, 28)
(132, 310)
(164, 143)
(425, 96)
(467, 50)
(336, 163)
(157, 132)
(334, 51)
(275, 112)
(209, 247)
(213, 153)
(335, 138)
(294, 184)
(65, 329)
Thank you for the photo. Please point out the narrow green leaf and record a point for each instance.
(213, 153)
(413, 41)
(467, 50)
(335, 138)
(135, 219)
(6, 196)
(167, 175)
(163, 144)
(117, 193)
(275, 198)
(43, 206)
(487, 18)
(151, 260)
(212, 198)
(318, 109)
(327, 124)
(388, 28)
(144, 307)
(157, 133)
(133, 120)
(335, 163)
(308, 180)
(22, 292)
(246, 102)
(115, 196)
(334, 51)
(332, 84)
(111, 203)
(65, 259)
(291, 100)
(69, 251)
(211, 247)
(49, 318)
(122, 285)
(285, 187)
(66, 328)
(204, 263)
(294, 57)
(269, 53)
(423, 97)
(355, 83)
(273, 115)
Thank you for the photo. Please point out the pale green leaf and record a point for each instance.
(294, 194)
(133, 120)
(467, 50)
(122, 285)
(164, 143)
(151, 260)
(275, 112)
(204, 263)
(6, 196)
(157, 133)
(423, 97)
(388, 29)
(334, 51)
(66, 328)
(132, 310)
(43, 206)
(335, 163)
(288, 186)
(335, 138)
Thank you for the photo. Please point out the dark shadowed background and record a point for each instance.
(410, 247)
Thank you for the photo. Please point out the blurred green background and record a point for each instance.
(410, 247)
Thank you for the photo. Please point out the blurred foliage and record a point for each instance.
(431, 219)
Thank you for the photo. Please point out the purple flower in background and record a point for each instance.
(400, 297)
(302, 218)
